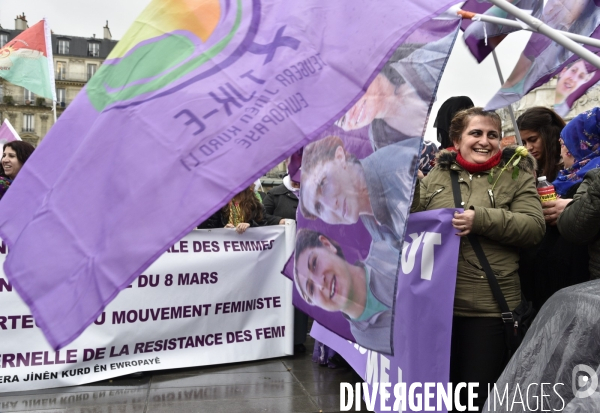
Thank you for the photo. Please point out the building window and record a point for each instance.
(61, 70)
(61, 95)
(63, 46)
(93, 49)
(28, 124)
(3, 39)
(91, 69)
(29, 97)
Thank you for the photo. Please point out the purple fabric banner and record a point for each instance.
(480, 37)
(196, 102)
(355, 194)
(543, 59)
(574, 78)
(423, 314)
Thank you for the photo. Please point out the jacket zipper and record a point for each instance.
(434, 194)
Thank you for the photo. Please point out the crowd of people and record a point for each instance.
(533, 247)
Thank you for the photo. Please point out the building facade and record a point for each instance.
(76, 59)
(544, 96)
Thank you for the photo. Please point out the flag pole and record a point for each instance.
(510, 109)
(54, 109)
(542, 28)
(590, 41)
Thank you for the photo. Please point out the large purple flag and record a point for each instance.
(355, 193)
(423, 318)
(196, 102)
(542, 58)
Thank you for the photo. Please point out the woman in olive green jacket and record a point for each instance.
(505, 212)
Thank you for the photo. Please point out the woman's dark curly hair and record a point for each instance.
(22, 149)
(250, 206)
(548, 125)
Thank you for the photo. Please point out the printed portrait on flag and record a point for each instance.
(481, 37)
(542, 57)
(356, 187)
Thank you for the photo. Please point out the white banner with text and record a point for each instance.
(215, 297)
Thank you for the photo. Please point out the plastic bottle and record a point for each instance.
(546, 190)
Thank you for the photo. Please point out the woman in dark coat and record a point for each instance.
(581, 153)
(281, 202)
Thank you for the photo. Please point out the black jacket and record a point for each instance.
(280, 203)
(553, 264)
(580, 221)
(219, 220)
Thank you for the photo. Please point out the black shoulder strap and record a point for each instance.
(507, 315)
(456, 189)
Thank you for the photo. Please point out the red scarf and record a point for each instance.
(479, 167)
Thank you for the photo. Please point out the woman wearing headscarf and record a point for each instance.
(580, 150)
(580, 221)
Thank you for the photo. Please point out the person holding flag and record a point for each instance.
(502, 208)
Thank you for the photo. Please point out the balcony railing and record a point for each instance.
(21, 101)
(73, 77)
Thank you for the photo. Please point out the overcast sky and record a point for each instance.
(463, 76)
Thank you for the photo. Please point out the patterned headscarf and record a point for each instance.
(4, 184)
(581, 136)
(427, 158)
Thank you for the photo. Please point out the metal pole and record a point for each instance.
(510, 109)
(54, 109)
(590, 41)
(540, 27)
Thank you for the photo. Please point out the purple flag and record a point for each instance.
(481, 37)
(423, 315)
(355, 194)
(8, 133)
(194, 103)
(543, 59)
(574, 78)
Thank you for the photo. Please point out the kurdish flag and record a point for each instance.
(198, 100)
(27, 61)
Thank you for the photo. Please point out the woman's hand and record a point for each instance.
(463, 222)
(229, 226)
(242, 227)
(553, 209)
(282, 221)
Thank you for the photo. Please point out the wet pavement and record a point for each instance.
(287, 384)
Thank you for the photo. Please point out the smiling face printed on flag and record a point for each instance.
(355, 192)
